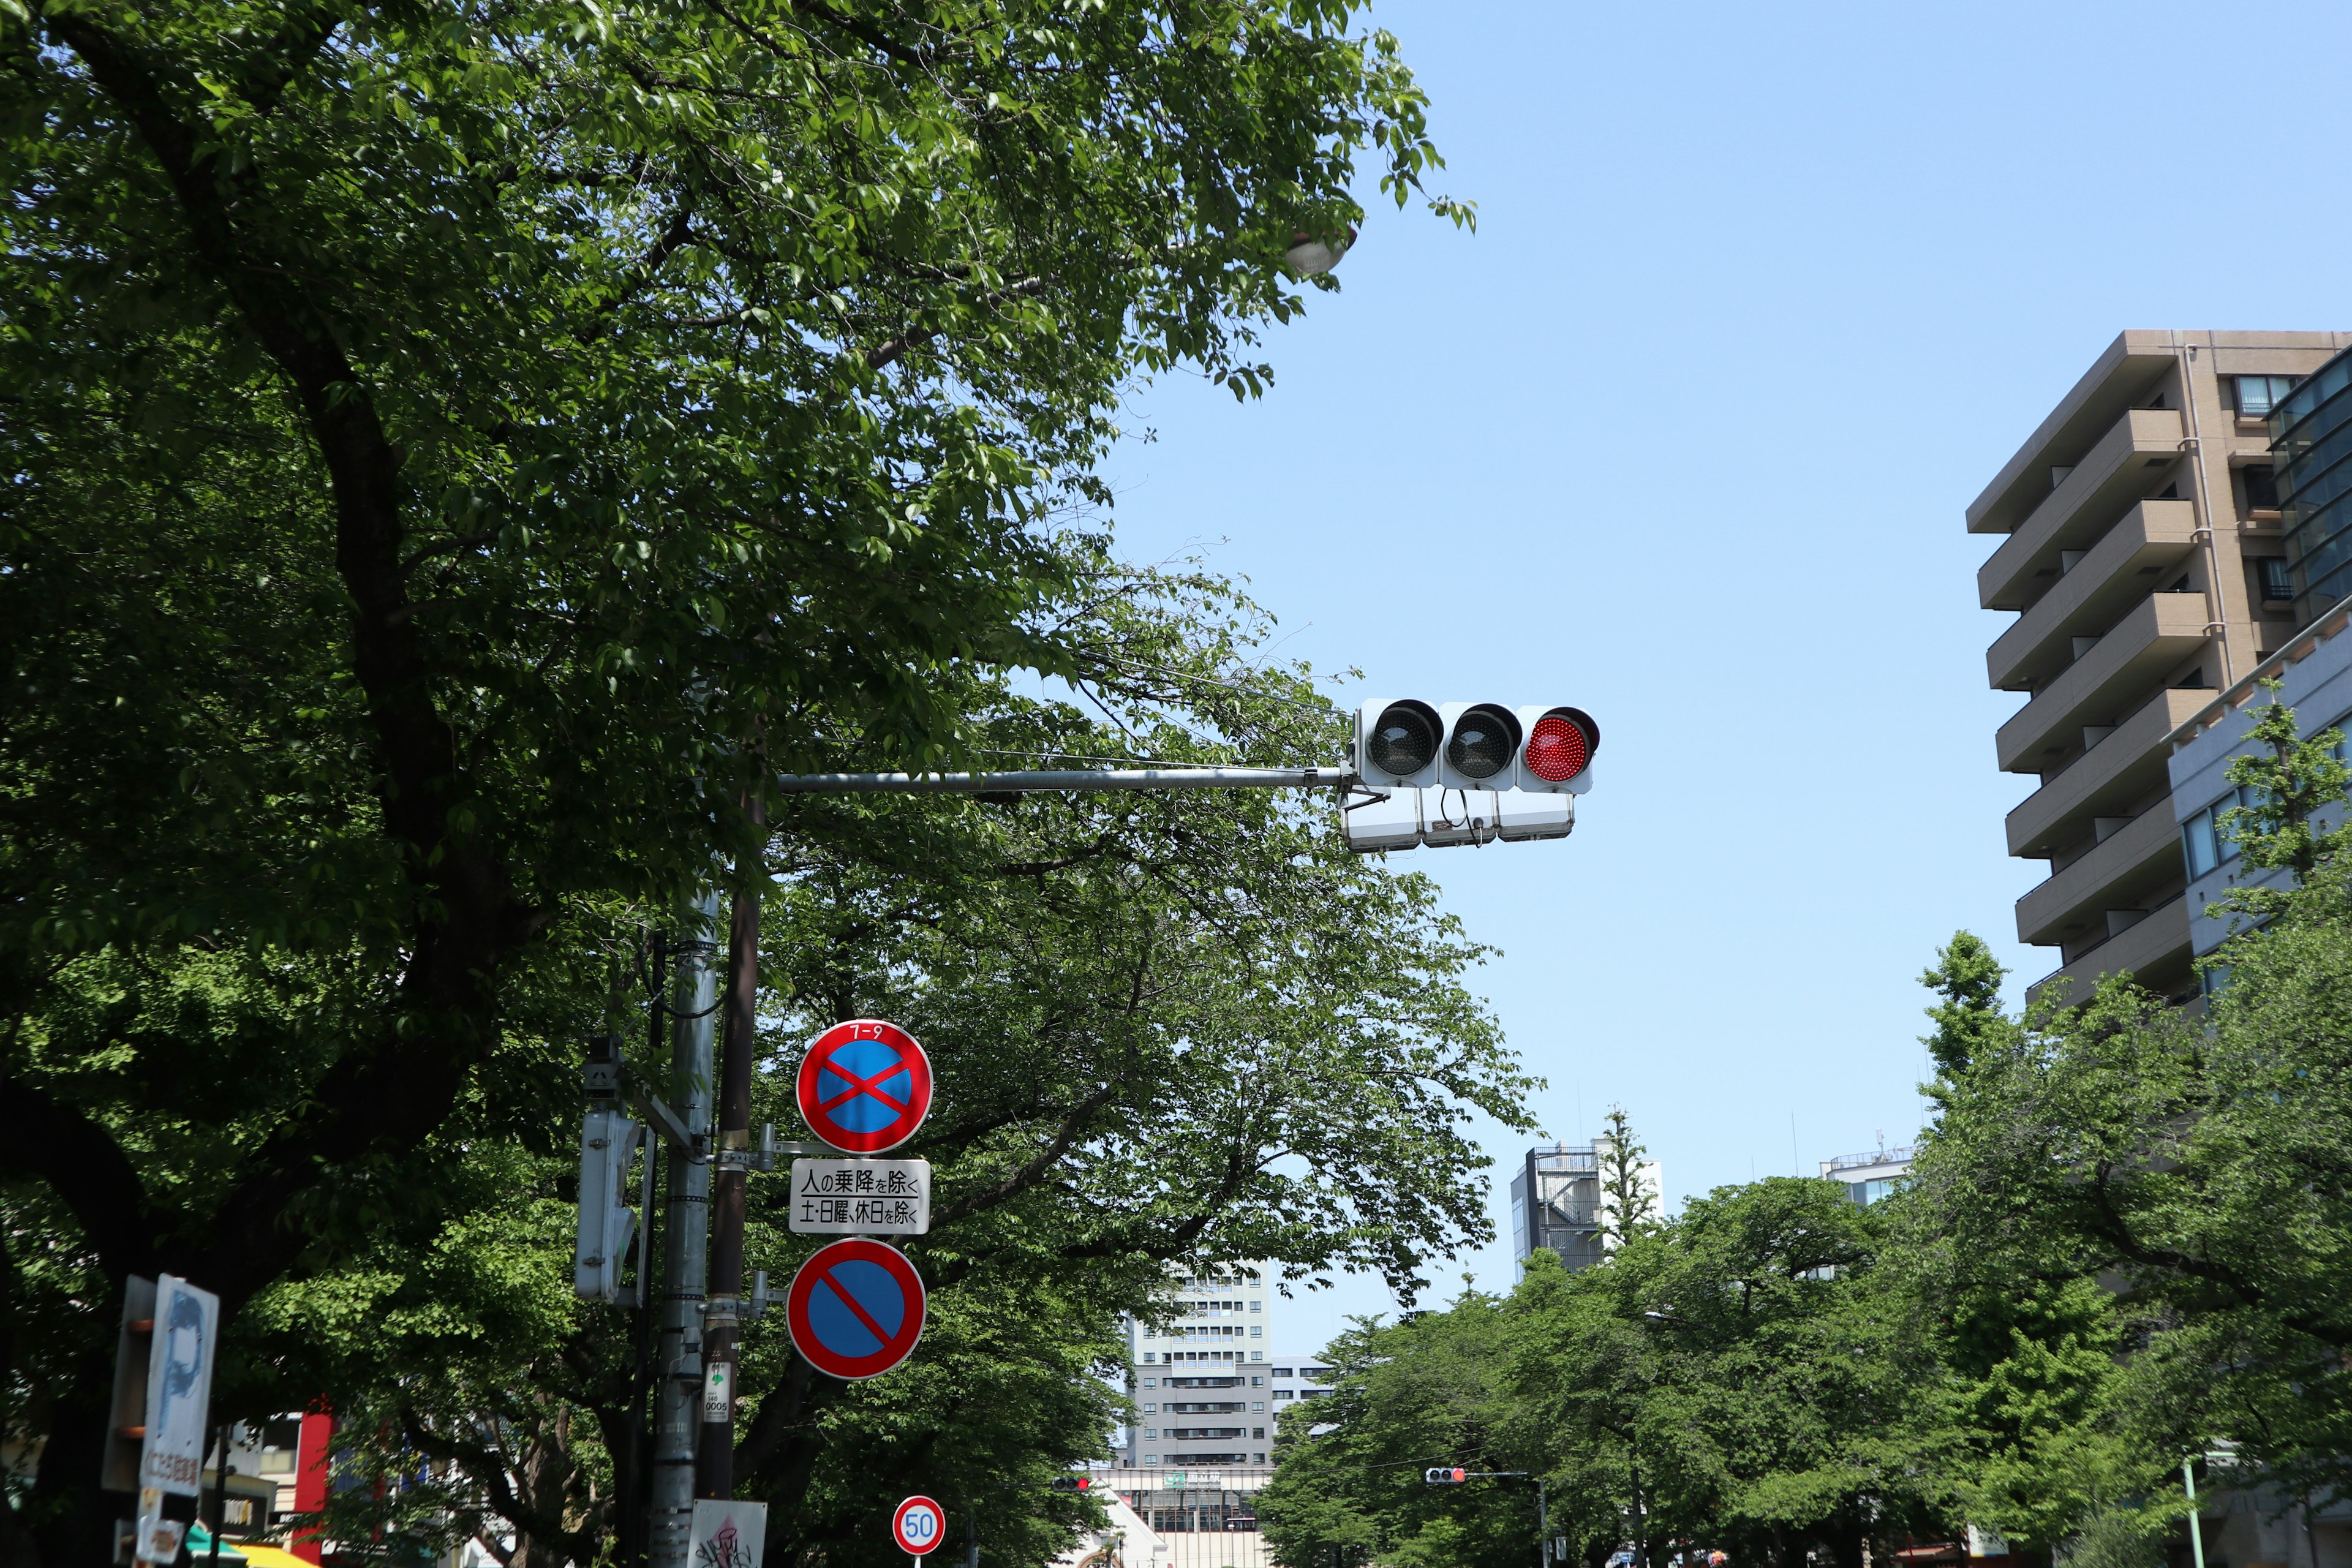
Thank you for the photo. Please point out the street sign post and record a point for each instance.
(867, 1197)
(180, 1359)
(918, 1526)
(865, 1086)
(856, 1308)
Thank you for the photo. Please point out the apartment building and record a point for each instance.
(2311, 444)
(2145, 565)
(1208, 1367)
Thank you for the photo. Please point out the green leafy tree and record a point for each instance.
(454, 451)
(1730, 1379)
(1629, 1206)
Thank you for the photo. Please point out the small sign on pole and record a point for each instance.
(918, 1526)
(729, 1535)
(872, 1198)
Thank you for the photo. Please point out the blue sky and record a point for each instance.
(1758, 302)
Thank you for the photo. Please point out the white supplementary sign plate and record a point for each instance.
(862, 1197)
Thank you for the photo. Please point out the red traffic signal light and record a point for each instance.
(1558, 747)
(1073, 1483)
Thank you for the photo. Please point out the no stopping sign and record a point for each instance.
(918, 1526)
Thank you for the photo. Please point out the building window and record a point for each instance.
(2262, 487)
(1282, 1371)
(2277, 583)
(1150, 1459)
(1280, 1395)
(1258, 1433)
(2258, 395)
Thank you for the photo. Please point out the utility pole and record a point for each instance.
(714, 1471)
(678, 1398)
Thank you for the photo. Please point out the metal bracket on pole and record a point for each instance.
(655, 1109)
(1081, 780)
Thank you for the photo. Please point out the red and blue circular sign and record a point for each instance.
(856, 1308)
(865, 1086)
(918, 1526)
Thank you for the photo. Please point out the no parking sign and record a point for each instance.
(865, 1086)
(918, 1526)
(856, 1308)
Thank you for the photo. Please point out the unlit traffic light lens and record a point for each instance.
(1405, 739)
(1558, 749)
(1484, 740)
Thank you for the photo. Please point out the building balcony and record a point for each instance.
(2115, 473)
(2114, 676)
(2115, 873)
(2105, 780)
(2128, 563)
(2155, 949)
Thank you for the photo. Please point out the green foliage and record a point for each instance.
(1969, 1019)
(1726, 1379)
(1628, 1206)
(2290, 783)
(453, 449)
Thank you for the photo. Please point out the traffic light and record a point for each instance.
(1556, 751)
(1445, 1478)
(1073, 1483)
(1397, 743)
(1406, 743)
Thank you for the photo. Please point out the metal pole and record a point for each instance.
(678, 1410)
(2196, 1526)
(1543, 1527)
(715, 1469)
(1083, 780)
(220, 1492)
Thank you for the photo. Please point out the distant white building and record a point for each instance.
(1869, 1175)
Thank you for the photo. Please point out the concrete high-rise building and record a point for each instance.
(2146, 568)
(1558, 1204)
(1200, 1385)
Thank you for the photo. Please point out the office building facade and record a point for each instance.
(2145, 560)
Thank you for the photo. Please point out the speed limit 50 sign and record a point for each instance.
(918, 1526)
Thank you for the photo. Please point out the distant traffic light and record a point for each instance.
(1445, 1478)
(1406, 743)
(1073, 1483)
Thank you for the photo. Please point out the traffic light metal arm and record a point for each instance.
(1095, 780)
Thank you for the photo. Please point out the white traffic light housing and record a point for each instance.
(1556, 747)
(1482, 742)
(1445, 1476)
(1397, 743)
(608, 1141)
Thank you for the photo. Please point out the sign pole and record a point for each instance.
(714, 1469)
(678, 1409)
